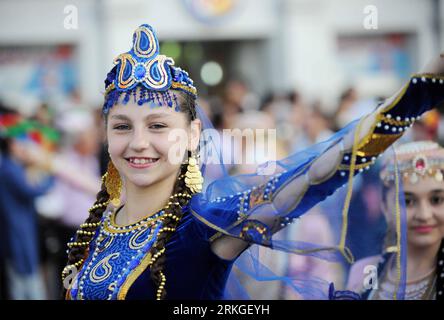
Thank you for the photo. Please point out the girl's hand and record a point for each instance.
(435, 66)
(39, 158)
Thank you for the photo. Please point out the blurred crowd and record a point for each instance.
(51, 163)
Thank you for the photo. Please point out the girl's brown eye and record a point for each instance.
(409, 201)
(157, 126)
(436, 200)
(121, 127)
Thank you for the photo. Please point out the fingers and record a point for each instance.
(435, 66)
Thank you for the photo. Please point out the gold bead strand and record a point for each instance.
(161, 286)
(171, 204)
(86, 233)
(99, 205)
(162, 283)
(167, 229)
(172, 216)
(78, 244)
(157, 255)
(90, 225)
(181, 195)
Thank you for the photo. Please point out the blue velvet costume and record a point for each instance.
(115, 248)
(117, 265)
(203, 279)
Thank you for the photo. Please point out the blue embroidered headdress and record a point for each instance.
(143, 66)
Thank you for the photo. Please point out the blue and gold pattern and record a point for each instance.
(116, 253)
(255, 231)
(246, 202)
(145, 67)
(422, 93)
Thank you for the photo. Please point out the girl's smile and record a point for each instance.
(141, 162)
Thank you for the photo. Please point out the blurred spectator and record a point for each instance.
(317, 125)
(313, 228)
(297, 117)
(278, 108)
(102, 154)
(19, 216)
(352, 107)
(263, 149)
(346, 111)
(256, 141)
(237, 98)
(77, 172)
(44, 115)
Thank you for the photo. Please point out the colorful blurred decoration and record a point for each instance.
(15, 126)
(376, 64)
(54, 74)
(32, 74)
(213, 11)
(373, 54)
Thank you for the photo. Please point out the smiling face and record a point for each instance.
(147, 144)
(424, 203)
(425, 211)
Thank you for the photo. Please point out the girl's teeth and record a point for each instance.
(141, 161)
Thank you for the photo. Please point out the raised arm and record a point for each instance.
(268, 208)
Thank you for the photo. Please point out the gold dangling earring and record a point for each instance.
(113, 184)
(193, 176)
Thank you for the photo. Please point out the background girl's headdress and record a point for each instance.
(144, 67)
(15, 126)
(416, 160)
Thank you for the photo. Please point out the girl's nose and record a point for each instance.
(424, 212)
(140, 140)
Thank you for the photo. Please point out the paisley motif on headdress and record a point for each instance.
(144, 66)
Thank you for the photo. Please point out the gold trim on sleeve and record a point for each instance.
(379, 143)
